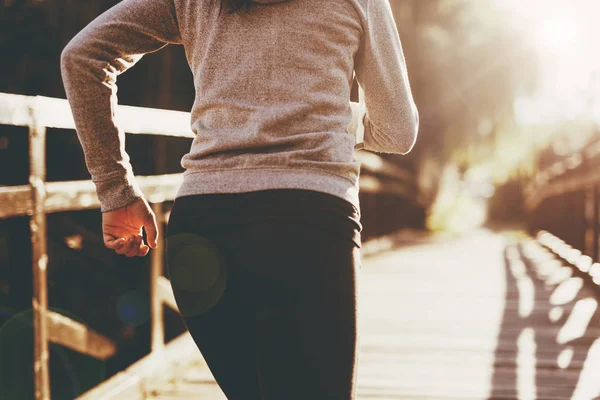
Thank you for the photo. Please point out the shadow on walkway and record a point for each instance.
(548, 344)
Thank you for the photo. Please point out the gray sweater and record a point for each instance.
(272, 107)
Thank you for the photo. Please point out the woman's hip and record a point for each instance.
(328, 216)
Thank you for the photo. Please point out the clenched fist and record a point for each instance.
(122, 229)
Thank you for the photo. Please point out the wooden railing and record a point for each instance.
(563, 204)
(39, 198)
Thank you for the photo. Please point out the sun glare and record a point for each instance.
(558, 33)
(562, 35)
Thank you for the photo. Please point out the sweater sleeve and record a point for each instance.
(90, 64)
(389, 114)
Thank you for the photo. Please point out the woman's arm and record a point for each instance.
(390, 118)
(90, 64)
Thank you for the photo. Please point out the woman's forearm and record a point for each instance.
(90, 64)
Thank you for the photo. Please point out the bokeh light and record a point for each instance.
(133, 308)
(197, 271)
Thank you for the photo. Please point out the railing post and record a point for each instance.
(156, 270)
(375, 215)
(590, 210)
(596, 228)
(37, 178)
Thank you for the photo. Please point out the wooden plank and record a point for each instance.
(539, 189)
(39, 256)
(16, 109)
(15, 201)
(157, 257)
(76, 336)
(165, 293)
(134, 381)
(375, 164)
(56, 113)
(81, 195)
(370, 184)
(573, 183)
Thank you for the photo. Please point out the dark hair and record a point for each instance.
(232, 6)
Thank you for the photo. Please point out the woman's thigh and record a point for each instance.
(306, 327)
(208, 292)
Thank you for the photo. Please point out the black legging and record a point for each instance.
(266, 284)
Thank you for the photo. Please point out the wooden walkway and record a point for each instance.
(484, 316)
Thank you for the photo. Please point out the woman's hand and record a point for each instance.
(122, 229)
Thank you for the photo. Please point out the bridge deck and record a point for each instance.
(479, 317)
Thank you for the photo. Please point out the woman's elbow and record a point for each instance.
(407, 131)
(398, 139)
(406, 145)
(68, 56)
(412, 131)
(74, 52)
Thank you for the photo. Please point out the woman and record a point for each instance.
(264, 235)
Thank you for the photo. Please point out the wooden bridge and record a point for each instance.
(495, 314)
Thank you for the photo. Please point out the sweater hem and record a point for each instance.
(251, 180)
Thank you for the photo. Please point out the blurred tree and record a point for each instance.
(466, 67)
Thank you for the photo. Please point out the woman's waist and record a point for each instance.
(296, 206)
